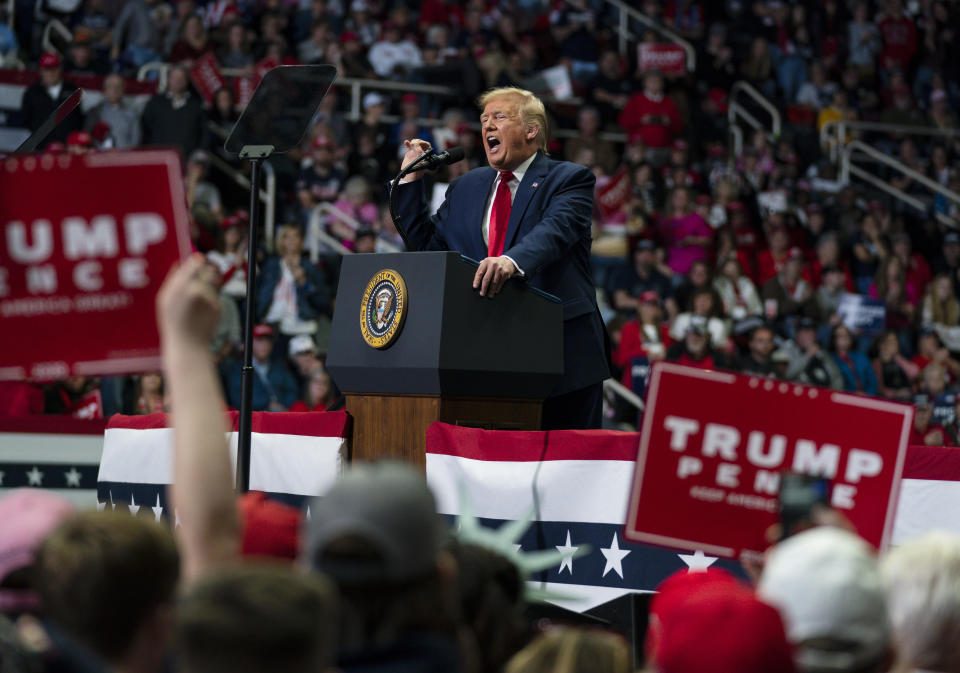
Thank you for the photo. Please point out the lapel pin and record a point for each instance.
(534, 185)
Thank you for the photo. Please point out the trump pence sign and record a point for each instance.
(85, 242)
(714, 444)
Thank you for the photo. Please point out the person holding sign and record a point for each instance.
(525, 216)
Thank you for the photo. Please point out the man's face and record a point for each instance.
(113, 89)
(761, 344)
(505, 140)
(262, 348)
(177, 82)
(322, 156)
(806, 337)
(644, 258)
(589, 122)
(50, 76)
(653, 84)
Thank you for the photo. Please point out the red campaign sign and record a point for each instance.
(670, 59)
(713, 445)
(243, 88)
(207, 77)
(86, 242)
(612, 196)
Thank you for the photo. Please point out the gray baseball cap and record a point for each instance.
(386, 506)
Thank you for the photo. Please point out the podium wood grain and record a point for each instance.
(395, 426)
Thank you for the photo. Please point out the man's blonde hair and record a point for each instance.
(532, 111)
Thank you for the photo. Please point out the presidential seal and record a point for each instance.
(383, 308)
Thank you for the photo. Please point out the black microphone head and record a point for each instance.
(454, 154)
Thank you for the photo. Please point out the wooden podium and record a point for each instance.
(456, 357)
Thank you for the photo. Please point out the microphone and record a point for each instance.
(451, 156)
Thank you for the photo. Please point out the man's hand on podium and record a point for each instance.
(415, 148)
(492, 274)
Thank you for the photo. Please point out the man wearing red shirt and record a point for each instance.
(771, 260)
(652, 114)
(899, 38)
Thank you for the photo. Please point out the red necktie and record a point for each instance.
(499, 216)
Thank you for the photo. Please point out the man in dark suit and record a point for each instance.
(525, 216)
(43, 97)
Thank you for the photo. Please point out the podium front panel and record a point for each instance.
(452, 341)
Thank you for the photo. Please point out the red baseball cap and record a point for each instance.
(650, 297)
(262, 331)
(736, 207)
(50, 60)
(349, 36)
(322, 141)
(410, 98)
(703, 198)
(708, 621)
(81, 138)
(270, 528)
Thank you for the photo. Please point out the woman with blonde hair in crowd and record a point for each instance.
(940, 305)
(570, 650)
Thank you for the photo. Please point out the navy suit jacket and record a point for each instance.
(548, 236)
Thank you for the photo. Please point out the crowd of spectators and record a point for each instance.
(709, 257)
(373, 579)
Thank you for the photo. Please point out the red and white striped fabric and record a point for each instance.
(292, 454)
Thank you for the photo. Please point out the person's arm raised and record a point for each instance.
(188, 307)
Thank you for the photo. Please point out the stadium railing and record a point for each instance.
(833, 131)
(852, 151)
(737, 111)
(625, 37)
(317, 238)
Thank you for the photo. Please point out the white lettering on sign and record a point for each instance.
(727, 475)
(41, 279)
(680, 430)
(86, 276)
(766, 482)
(82, 240)
(771, 458)
(689, 465)
(807, 459)
(143, 229)
(20, 251)
(842, 496)
(769, 454)
(133, 272)
(720, 439)
(97, 240)
(862, 464)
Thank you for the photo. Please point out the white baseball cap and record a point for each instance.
(826, 583)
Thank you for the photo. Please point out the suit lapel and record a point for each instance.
(476, 210)
(525, 191)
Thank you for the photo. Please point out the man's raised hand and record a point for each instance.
(188, 304)
(415, 148)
